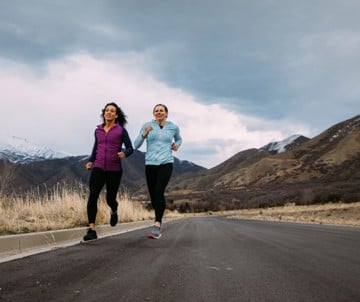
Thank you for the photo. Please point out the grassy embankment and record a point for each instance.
(60, 209)
(66, 208)
(330, 213)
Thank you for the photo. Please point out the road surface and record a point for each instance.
(197, 259)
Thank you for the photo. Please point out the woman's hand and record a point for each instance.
(147, 130)
(88, 165)
(121, 154)
(174, 147)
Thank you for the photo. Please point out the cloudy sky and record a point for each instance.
(235, 74)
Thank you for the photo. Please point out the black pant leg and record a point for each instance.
(96, 183)
(113, 180)
(157, 179)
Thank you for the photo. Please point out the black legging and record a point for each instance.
(98, 178)
(157, 178)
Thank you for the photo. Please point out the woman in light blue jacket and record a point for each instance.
(162, 137)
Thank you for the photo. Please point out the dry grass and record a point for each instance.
(66, 208)
(62, 208)
(332, 213)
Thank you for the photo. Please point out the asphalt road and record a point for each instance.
(197, 259)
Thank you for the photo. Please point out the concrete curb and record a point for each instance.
(22, 245)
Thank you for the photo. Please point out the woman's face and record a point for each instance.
(160, 113)
(110, 113)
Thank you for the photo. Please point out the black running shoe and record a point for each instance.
(113, 218)
(90, 235)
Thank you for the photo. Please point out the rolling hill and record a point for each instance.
(297, 170)
(324, 168)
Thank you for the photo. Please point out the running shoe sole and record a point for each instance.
(151, 236)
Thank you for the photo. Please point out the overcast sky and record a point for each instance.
(235, 74)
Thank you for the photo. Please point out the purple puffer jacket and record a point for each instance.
(107, 145)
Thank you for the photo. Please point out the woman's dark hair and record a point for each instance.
(121, 117)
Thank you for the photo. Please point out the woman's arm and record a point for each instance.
(140, 138)
(92, 156)
(93, 152)
(177, 137)
(127, 142)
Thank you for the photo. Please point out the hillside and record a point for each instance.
(297, 170)
(324, 168)
(42, 175)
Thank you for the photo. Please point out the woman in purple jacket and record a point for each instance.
(105, 163)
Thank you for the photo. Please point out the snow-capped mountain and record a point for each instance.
(285, 144)
(20, 150)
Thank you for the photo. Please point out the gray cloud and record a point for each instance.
(271, 59)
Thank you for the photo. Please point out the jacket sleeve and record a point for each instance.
(127, 142)
(93, 152)
(177, 137)
(139, 139)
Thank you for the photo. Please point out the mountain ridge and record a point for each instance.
(20, 150)
(297, 170)
(42, 175)
(324, 168)
(285, 144)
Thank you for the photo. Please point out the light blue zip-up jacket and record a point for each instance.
(158, 142)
